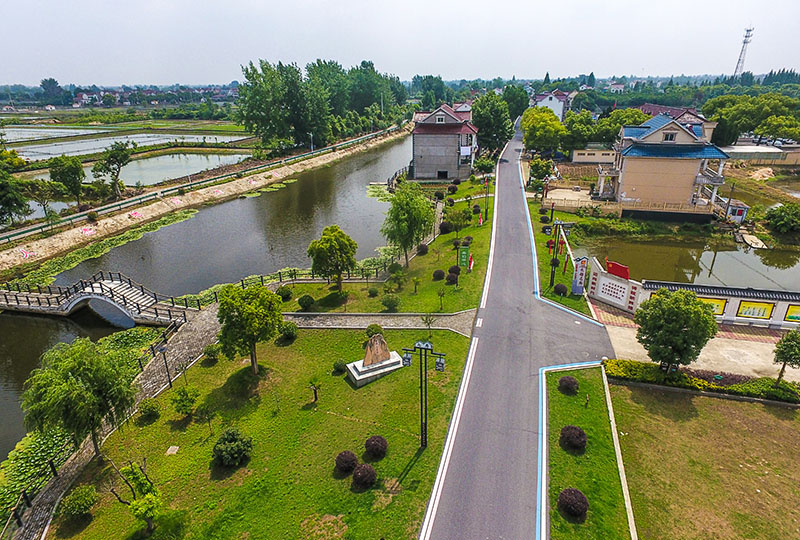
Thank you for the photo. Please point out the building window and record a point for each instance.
(440, 119)
(590, 154)
(669, 137)
(469, 139)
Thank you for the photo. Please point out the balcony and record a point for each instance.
(707, 177)
(607, 170)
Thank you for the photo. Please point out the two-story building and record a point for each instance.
(557, 101)
(445, 143)
(664, 160)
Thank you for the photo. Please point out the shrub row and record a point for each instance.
(364, 475)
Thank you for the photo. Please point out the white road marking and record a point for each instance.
(479, 323)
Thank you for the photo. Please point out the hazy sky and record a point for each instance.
(197, 41)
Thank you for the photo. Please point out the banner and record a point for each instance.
(579, 277)
(616, 269)
(755, 310)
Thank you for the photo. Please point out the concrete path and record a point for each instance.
(460, 322)
(487, 486)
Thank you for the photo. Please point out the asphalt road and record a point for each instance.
(490, 483)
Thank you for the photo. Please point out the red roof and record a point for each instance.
(654, 110)
(445, 129)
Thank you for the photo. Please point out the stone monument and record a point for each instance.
(377, 362)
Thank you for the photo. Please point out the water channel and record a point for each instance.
(13, 134)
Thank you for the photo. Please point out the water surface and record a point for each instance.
(17, 134)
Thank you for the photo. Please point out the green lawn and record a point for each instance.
(289, 488)
(703, 467)
(594, 472)
(465, 188)
(441, 255)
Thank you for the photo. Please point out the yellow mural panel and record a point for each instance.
(755, 310)
(792, 314)
(717, 303)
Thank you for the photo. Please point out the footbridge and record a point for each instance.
(134, 300)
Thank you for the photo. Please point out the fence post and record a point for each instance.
(184, 315)
(186, 302)
(17, 517)
(215, 297)
(243, 284)
(26, 498)
(199, 307)
(52, 467)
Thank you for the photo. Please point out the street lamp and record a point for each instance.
(163, 350)
(312, 140)
(423, 348)
(486, 198)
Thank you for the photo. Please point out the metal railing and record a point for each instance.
(628, 205)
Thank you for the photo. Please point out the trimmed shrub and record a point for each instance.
(457, 181)
(394, 267)
(468, 238)
(284, 292)
(542, 210)
(91, 217)
(212, 353)
(376, 447)
(288, 330)
(391, 302)
(476, 209)
(79, 502)
(445, 227)
(373, 329)
(422, 249)
(573, 503)
(438, 195)
(560, 289)
(305, 302)
(346, 461)
(451, 279)
(450, 201)
(373, 292)
(149, 409)
(544, 219)
(452, 188)
(456, 243)
(181, 191)
(232, 448)
(438, 275)
(455, 269)
(364, 476)
(339, 367)
(568, 384)
(573, 437)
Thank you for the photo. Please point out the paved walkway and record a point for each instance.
(458, 322)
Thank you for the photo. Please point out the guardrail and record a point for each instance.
(618, 207)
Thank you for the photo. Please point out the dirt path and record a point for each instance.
(85, 233)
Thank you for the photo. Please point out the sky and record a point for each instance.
(114, 42)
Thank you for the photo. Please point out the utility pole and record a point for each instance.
(728, 206)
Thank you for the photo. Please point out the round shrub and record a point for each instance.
(373, 329)
(181, 191)
(364, 476)
(476, 209)
(457, 181)
(451, 279)
(544, 219)
(542, 210)
(422, 249)
(284, 292)
(394, 267)
(91, 217)
(376, 447)
(346, 461)
(445, 227)
(79, 502)
(455, 269)
(468, 238)
(305, 302)
(212, 353)
(232, 448)
(560, 289)
(149, 409)
(452, 188)
(450, 201)
(573, 438)
(339, 367)
(288, 330)
(573, 503)
(568, 384)
(438, 275)
(456, 243)
(466, 243)
(390, 302)
(438, 195)
(373, 292)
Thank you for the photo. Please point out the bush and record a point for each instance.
(484, 165)
(284, 292)
(473, 178)
(456, 181)
(438, 195)
(149, 409)
(452, 188)
(476, 209)
(181, 191)
(450, 201)
(339, 367)
(79, 502)
(438, 275)
(544, 219)
(364, 476)
(346, 461)
(560, 289)
(91, 217)
(573, 503)
(288, 330)
(451, 279)
(455, 269)
(445, 227)
(468, 239)
(376, 447)
(394, 267)
(305, 302)
(568, 384)
(456, 243)
(465, 242)
(785, 218)
(184, 398)
(212, 352)
(422, 249)
(373, 329)
(573, 437)
(542, 210)
(232, 448)
(372, 292)
(390, 302)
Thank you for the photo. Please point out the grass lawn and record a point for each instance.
(289, 488)
(441, 255)
(465, 188)
(594, 472)
(702, 467)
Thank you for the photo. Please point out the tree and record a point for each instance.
(541, 168)
(607, 128)
(333, 254)
(51, 91)
(674, 326)
(785, 218)
(68, 171)
(541, 129)
(247, 316)
(459, 219)
(547, 78)
(109, 99)
(580, 130)
(428, 319)
(591, 81)
(13, 204)
(779, 127)
(146, 503)
(10, 160)
(409, 218)
(787, 352)
(516, 99)
(111, 163)
(490, 116)
(78, 387)
(43, 192)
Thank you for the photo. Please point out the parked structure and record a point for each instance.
(593, 153)
(444, 142)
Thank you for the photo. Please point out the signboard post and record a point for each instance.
(579, 277)
(463, 256)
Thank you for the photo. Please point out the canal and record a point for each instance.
(221, 243)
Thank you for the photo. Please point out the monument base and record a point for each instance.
(360, 375)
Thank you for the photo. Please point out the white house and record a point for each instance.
(555, 101)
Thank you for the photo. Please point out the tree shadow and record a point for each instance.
(330, 301)
(283, 341)
(180, 424)
(238, 396)
(675, 406)
(358, 489)
(366, 458)
(170, 525)
(220, 472)
(69, 527)
(339, 475)
(209, 361)
(572, 519)
(781, 413)
(570, 449)
(309, 406)
(142, 421)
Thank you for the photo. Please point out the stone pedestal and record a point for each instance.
(361, 374)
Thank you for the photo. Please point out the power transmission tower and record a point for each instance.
(748, 37)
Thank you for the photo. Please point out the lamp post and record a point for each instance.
(312, 140)
(486, 198)
(423, 348)
(163, 350)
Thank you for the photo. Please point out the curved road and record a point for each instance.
(487, 484)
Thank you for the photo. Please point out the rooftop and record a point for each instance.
(674, 151)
